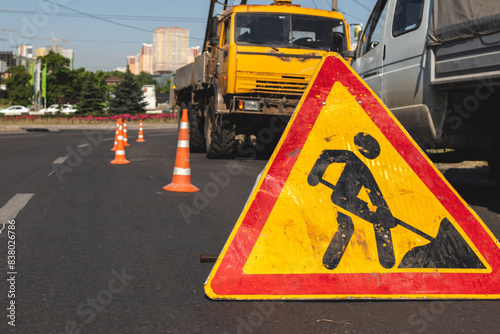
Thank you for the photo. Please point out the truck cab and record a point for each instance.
(257, 62)
(272, 52)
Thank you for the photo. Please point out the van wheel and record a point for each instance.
(495, 169)
(493, 155)
(220, 134)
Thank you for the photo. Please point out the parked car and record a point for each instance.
(14, 111)
(55, 108)
(68, 109)
(50, 110)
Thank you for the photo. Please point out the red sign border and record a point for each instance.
(229, 279)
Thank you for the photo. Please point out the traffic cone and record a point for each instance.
(120, 149)
(125, 134)
(116, 134)
(181, 180)
(141, 134)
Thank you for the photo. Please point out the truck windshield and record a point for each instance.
(285, 30)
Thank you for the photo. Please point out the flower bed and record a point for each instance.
(39, 119)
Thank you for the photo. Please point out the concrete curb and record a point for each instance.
(11, 130)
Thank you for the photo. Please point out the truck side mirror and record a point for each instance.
(212, 33)
(214, 41)
(338, 43)
(356, 31)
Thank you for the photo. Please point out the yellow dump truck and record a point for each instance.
(255, 65)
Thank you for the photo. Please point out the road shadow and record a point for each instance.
(476, 186)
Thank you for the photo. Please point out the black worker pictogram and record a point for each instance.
(355, 176)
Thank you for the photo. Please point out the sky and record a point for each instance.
(103, 33)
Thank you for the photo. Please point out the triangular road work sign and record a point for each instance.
(350, 207)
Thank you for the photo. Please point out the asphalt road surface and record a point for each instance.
(101, 248)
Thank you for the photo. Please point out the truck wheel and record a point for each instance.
(220, 131)
(179, 115)
(196, 138)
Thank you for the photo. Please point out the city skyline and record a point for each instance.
(117, 29)
(170, 48)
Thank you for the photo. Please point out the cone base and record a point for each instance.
(126, 144)
(113, 149)
(140, 141)
(120, 162)
(183, 188)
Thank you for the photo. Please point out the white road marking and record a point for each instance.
(60, 160)
(12, 208)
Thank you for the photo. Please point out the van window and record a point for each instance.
(372, 34)
(407, 16)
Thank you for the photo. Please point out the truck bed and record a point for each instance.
(187, 75)
(462, 62)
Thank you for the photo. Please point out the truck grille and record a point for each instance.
(265, 83)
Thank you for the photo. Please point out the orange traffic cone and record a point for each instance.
(120, 148)
(141, 134)
(125, 134)
(181, 181)
(116, 134)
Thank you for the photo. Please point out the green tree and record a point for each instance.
(145, 78)
(59, 77)
(77, 79)
(128, 96)
(100, 79)
(91, 97)
(105, 89)
(18, 86)
(163, 89)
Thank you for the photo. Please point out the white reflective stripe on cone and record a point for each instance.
(120, 137)
(183, 143)
(184, 125)
(182, 171)
(120, 152)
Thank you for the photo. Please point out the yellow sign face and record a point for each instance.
(349, 206)
(304, 219)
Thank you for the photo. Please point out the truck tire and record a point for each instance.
(196, 138)
(220, 131)
(495, 169)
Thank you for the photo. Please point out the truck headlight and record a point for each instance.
(251, 105)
